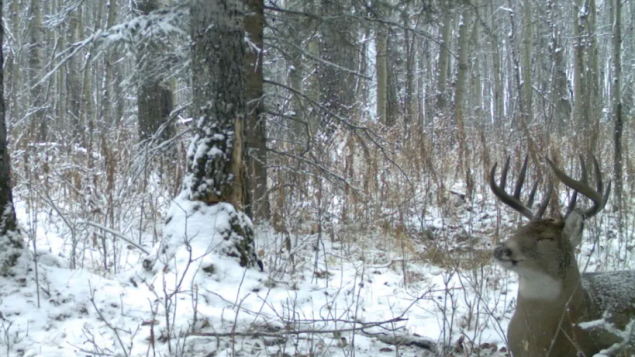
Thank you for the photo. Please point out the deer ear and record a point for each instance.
(573, 226)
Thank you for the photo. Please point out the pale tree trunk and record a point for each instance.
(87, 108)
(527, 87)
(476, 86)
(616, 101)
(425, 87)
(36, 38)
(459, 96)
(579, 112)
(497, 75)
(444, 59)
(313, 85)
(382, 73)
(258, 201)
(593, 79)
(296, 35)
(523, 109)
(15, 67)
(559, 81)
(107, 118)
(410, 100)
(217, 155)
(628, 98)
(393, 110)
(73, 82)
(11, 243)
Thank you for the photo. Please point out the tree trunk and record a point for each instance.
(616, 102)
(154, 101)
(527, 87)
(11, 243)
(217, 155)
(73, 82)
(107, 117)
(382, 73)
(497, 76)
(559, 81)
(444, 59)
(459, 96)
(410, 100)
(580, 113)
(338, 46)
(593, 79)
(258, 201)
(36, 64)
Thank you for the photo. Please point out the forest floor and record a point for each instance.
(344, 294)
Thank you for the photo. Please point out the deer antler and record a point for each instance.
(513, 201)
(599, 199)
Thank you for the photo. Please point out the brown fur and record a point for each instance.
(545, 325)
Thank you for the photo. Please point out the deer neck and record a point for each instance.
(546, 289)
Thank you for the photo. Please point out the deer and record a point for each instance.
(554, 298)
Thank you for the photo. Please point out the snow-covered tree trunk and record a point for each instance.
(216, 169)
(11, 243)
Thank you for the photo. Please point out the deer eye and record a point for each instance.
(544, 239)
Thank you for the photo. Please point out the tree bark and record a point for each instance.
(217, 155)
(616, 102)
(154, 101)
(527, 87)
(444, 59)
(382, 73)
(459, 97)
(74, 84)
(36, 64)
(257, 204)
(11, 243)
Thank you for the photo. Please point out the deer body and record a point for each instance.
(553, 297)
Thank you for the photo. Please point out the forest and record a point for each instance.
(316, 178)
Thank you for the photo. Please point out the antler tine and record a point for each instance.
(521, 179)
(598, 178)
(572, 202)
(599, 200)
(499, 190)
(545, 200)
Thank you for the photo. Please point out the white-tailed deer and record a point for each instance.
(553, 296)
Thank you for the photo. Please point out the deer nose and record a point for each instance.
(502, 251)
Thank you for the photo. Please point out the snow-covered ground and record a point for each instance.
(322, 298)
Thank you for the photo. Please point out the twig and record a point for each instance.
(114, 233)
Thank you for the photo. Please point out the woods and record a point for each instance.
(247, 155)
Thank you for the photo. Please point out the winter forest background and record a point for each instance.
(367, 131)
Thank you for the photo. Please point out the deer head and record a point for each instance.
(542, 253)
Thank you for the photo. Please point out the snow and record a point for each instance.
(189, 290)
(88, 313)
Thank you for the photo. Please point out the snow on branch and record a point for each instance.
(158, 29)
(56, 20)
(626, 335)
(152, 28)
